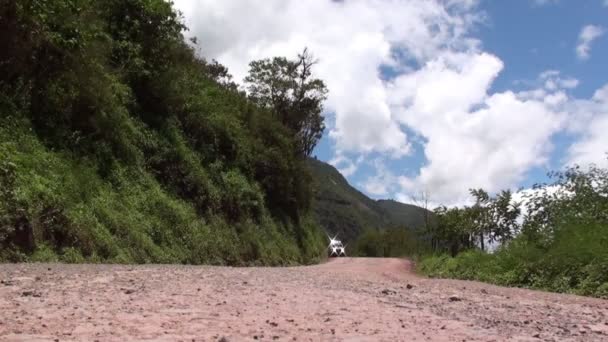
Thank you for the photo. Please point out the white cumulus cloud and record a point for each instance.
(588, 34)
(435, 89)
(475, 139)
(592, 124)
(345, 165)
(382, 183)
(350, 38)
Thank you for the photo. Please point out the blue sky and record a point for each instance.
(435, 96)
(530, 38)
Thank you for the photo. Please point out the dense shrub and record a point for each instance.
(562, 245)
(576, 261)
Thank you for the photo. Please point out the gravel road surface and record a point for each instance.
(346, 299)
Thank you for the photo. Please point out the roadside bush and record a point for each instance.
(576, 261)
(43, 253)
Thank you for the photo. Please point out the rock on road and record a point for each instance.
(346, 299)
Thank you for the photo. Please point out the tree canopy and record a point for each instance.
(289, 89)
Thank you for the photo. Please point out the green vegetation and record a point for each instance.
(490, 220)
(118, 144)
(343, 210)
(390, 243)
(286, 87)
(561, 244)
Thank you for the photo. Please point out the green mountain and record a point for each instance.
(342, 209)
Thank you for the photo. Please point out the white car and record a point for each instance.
(335, 248)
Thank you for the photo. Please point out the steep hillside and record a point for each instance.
(402, 214)
(118, 144)
(342, 209)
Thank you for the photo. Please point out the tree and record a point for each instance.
(503, 216)
(454, 231)
(288, 88)
(494, 218)
(490, 219)
(422, 200)
(219, 73)
(577, 195)
(481, 214)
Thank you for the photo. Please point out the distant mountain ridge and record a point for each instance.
(341, 209)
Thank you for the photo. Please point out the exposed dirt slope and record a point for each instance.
(342, 300)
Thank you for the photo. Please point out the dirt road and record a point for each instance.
(343, 300)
